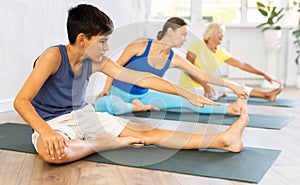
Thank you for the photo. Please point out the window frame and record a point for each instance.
(196, 14)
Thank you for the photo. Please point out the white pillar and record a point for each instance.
(272, 46)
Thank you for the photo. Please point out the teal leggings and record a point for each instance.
(119, 102)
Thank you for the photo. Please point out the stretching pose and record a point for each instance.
(207, 55)
(157, 56)
(67, 129)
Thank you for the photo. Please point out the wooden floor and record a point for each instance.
(21, 168)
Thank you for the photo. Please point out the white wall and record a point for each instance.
(29, 27)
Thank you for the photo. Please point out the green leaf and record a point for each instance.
(273, 10)
(259, 4)
(263, 12)
(277, 28)
(265, 29)
(279, 12)
(279, 18)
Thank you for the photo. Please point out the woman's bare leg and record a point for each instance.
(230, 139)
(270, 95)
(138, 106)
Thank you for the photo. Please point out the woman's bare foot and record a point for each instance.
(138, 106)
(231, 139)
(271, 96)
(235, 107)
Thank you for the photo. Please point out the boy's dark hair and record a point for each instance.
(88, 20)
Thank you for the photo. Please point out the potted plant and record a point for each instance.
(296, 34)
(272, 14)
(272, 35)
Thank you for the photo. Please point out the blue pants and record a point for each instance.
(119, 102)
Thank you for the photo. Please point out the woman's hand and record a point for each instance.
(271, 80)
(209, 92)
(200, 101)
(103, 93)
(240, 91)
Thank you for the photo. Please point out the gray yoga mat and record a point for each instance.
(259, 101)
(250, 165)
(255, 120)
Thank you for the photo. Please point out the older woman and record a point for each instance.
(207, 55)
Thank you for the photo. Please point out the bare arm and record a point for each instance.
(148, 80)
(133, 49)
(247, 67)
(200, 75)
(208, 90)
(46, 65)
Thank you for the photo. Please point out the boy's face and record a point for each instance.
(96, 47)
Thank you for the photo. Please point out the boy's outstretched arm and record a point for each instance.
(148, 80)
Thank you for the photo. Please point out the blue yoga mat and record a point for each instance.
(255, 120)
(250, 165)
(259, 101)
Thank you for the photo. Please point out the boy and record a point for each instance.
(67, 129)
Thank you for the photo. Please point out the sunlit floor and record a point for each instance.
(21, 168)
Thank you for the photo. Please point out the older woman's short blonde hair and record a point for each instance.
(211, 29)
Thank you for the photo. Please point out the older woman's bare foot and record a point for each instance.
(235, 107)
(231, 139)
(138, 106)
(271, 96)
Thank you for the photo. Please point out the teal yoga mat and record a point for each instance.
(255, 120)
(250, 165)
(259, 101)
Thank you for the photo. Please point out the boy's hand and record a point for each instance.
(54, 143)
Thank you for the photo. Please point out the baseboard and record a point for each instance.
(6, 105)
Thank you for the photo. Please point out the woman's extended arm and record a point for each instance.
(148, 80)
(247, 67)
(201, 75)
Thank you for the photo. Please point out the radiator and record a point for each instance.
(247, 50)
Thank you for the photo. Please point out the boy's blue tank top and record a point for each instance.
(140, 63)
(63, 91)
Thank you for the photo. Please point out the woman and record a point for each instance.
(156, 56)
(207, 55)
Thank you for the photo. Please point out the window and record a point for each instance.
(225, 11)
(164, 9)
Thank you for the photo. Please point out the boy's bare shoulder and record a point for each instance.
(50, 58)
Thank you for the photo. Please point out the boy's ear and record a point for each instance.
(80, 39)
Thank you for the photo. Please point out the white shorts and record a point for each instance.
(85, 124)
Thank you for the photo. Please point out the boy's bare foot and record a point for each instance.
(235, 107)
(138, 106)
(232, 137)
(271, 96)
